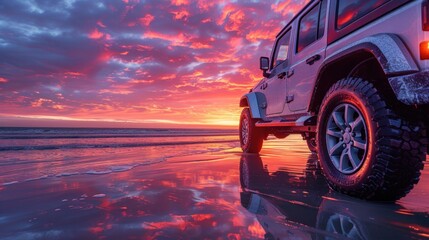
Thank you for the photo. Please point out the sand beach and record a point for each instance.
(183, 185)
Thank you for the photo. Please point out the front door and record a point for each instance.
(275, 87)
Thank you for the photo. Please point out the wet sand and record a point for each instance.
(199, 196)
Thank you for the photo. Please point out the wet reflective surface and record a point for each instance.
(291, 205)
(216, 194)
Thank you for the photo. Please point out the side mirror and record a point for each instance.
(264, 65)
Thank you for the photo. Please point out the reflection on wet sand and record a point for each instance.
(292, 205)
(178, 199)
(196, 194)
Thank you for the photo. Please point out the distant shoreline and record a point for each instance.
(131, 128)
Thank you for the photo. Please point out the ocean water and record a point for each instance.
(28, 154)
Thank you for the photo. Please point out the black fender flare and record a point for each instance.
(388, 49)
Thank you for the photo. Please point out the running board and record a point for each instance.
(300, 122)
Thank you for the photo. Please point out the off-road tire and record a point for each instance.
(395, 149)
(252, 173)
(251, 137)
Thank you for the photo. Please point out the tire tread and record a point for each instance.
(400, 147)
(256, 135)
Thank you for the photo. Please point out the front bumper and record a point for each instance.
(412, 89)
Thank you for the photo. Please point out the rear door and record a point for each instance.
(308, 56)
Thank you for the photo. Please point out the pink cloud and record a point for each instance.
(101, 24)
(235, 21)
(116, 91)
(39, 102)
(181, 14)
(205, 5)
(260, 34)
(146, 20)
(199, 45)
(95, 34)
(287, 7)
(179, 2)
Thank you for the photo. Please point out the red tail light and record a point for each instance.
(424, 50)
(425, 15)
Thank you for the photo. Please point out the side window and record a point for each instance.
(322, 19)
(351, 10)
(312, 26)
(282, 50)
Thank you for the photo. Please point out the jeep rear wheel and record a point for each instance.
(365, 149)
(251, 138)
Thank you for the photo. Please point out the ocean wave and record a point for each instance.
(103, 171)
(113, 136)
(56, 133)
(107, 145)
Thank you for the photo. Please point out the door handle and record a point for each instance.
(282, 75)
(313, 59)
(290, 73)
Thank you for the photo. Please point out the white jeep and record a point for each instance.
(351, 76)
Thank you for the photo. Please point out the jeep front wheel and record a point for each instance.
(365, 149)
(312, 144)
(251, 138)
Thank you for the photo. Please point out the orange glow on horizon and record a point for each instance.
(61, 121)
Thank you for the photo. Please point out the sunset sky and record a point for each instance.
(132, 63)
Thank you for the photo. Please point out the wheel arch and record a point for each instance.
(256, 102)
(375, 58)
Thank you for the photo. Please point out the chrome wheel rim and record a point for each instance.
(346, 138)
(344, 226)
(245, 131)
